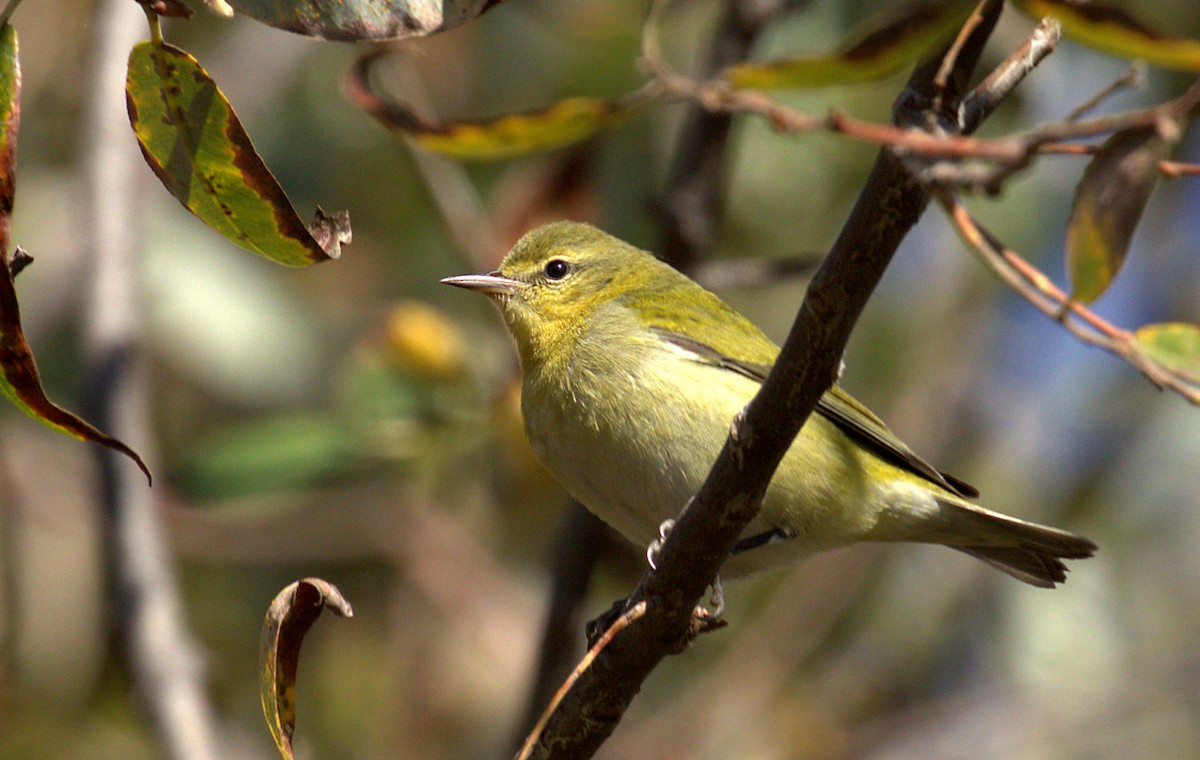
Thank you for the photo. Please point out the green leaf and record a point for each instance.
(21, 382)
(1175, 346)
(194, 142)
(291, 614)
(1112, 30)
(363, 19)
(1109, 203)
(883, 47)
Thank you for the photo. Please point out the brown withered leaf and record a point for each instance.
(1109, 203)
(291, 614)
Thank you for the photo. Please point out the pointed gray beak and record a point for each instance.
(492, 283)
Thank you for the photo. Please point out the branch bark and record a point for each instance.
(888, 206)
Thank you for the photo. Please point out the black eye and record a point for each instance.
(556, 269)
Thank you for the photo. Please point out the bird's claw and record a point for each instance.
(655, 547)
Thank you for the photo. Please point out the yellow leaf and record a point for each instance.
(882, 48)
(1112, 30)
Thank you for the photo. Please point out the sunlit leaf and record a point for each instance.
(1112, 30)
(291, 614)
(515, 134)
(881, 49)
(193, 141)
(1174, 345)
(1109, 203)
(363, 19)
(21, 382)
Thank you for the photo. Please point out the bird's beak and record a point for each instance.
(492, 283)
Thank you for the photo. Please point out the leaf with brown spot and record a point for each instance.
(291, 614)
(195, 144)
(1109, 203)
(20, 380)
(516, 134)
(352, 20)
(1112, 30)
(887, 44)
(1175, 346)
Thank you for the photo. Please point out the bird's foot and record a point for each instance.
(655, 547)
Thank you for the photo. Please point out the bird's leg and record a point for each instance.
(766, 538)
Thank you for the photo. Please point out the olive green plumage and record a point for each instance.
(632, 374)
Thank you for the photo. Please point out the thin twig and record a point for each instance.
(1134, 76)
(1010, 153)
(618, 625)
(1171, 169)
(941, 80)
(1046, 297)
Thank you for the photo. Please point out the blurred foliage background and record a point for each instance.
(359, 422)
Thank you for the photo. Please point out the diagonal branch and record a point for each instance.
(690, 210)
(890, 203)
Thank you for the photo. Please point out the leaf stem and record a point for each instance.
(155, 25)
(8, 11)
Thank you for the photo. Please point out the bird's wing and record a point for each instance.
(741, 347)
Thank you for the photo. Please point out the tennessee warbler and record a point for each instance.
(632, 374)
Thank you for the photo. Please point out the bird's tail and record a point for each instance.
(1027, 551)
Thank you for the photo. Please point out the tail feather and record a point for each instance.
(1041, 570)
(1027, 551)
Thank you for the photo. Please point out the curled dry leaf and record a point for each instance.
(563, 123)
(193, 141)
(20, 380)
(291, 614)
(1109, 203)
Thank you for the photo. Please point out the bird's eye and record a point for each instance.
(556, 269)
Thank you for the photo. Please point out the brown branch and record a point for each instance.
(1033, 285)
(995, 87)
(689, 208)
(889, 204)
(1171, 169)
(1009, 154)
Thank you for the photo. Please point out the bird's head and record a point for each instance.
(556, 278)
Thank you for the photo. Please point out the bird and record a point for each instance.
(631, 375)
